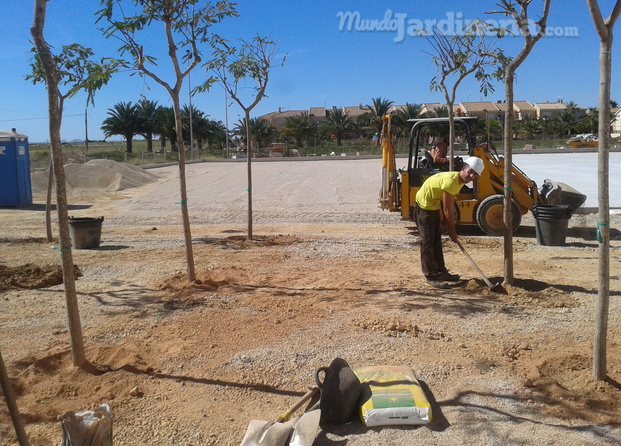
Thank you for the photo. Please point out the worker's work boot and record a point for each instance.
(436, 284)
(448, 277)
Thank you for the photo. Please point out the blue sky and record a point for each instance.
(325, 65)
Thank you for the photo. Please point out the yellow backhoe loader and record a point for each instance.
(479, 203)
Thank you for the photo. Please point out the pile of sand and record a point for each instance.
(98, 175)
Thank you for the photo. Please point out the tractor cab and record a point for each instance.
(425, 133)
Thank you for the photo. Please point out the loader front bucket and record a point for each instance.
(560, 193)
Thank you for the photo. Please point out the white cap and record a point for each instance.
(475, 164)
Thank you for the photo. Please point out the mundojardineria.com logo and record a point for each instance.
(454, 23)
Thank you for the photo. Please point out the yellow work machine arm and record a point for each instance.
(391, 188)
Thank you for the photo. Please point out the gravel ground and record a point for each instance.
(328, 275)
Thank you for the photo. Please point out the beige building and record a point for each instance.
(277, 119)
(522, 110)
(482, 110)
(549, 110)
(355, 112)
(430, 107)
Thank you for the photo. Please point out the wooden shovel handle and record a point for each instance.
(287, 414)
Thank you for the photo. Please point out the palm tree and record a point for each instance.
(558, 127)
(591, 119)
(401, 116)
(300, 128)
(165, 127)
(440, 112)
(123, 120)
(195, 116)
(215, 132)
(147, 111)
(375, 114)
(204, 130)
(570, 115)
(545, 124)
(261, 130)
(528, 129)
(339, 124)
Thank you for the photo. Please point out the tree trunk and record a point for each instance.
(11, 404)
(249, 169)
(48, 200)
(604, 30)
(603, 219)
(451, 148)
(508, 195)
(55, 119)
(189, 252)
(128, 143)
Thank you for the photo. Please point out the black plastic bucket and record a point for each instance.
(551, 222)
(85, 232)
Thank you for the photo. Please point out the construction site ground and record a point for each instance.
(327, 274)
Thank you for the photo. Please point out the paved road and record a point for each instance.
(579, 170)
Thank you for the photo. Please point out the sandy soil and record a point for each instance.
(327, 275)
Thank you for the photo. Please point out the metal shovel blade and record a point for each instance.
(490, 285)
(306, 429)
(267, 433)
(270, 433)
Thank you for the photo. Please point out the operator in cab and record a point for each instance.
(434, 207)
(439, 153)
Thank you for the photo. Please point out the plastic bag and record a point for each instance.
(90, 428)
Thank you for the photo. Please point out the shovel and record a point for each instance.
(306, 429)
(490, 285)
(275, 433)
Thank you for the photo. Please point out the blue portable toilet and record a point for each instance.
(15, 186)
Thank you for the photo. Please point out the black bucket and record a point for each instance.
(551, 222)
(340, 392)
(85, 232)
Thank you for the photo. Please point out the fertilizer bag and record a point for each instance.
(391, 396)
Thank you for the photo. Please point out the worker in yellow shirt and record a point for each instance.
(436, 195)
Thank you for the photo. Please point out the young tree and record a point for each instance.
(73, 69)
(456, 57)
(76, 72)
(518, 10)
(186, 27)
(233, 68)
(604, 29)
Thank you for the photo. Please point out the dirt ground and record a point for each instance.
(327, 275)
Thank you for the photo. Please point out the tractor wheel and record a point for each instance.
(490, 215)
